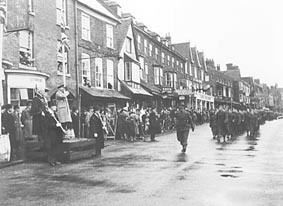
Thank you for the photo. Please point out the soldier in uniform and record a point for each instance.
(212, 123)
(183, 125)
(220, 122)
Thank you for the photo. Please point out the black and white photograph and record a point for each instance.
(141, 103)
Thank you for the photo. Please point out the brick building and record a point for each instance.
(222, 85)
(241, 88)
(198, 91)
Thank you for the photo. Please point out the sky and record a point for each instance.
(247, 33)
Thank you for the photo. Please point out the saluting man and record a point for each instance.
(183, 125)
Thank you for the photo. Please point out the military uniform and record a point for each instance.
(184, 123)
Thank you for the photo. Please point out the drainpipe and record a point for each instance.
(78, 96)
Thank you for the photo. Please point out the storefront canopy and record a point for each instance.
(135, 91)
(151, 88)
(103, 93)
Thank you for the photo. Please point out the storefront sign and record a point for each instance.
(204, 97)
(167, 89)
(25, 81)
(181, 97)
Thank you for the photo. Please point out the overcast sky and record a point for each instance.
(247, 33)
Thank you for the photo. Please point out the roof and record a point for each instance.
(122, 31)
(103, 93)
(235, 74)
(99, 7)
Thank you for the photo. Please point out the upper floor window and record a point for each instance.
(85, 27)
(110, 74)
(128, 71)
(86, 76)
(173, 61)
(169, 79)
(156, 53)
(61, 12)
(98, 73)
(145, 46)
(129, 45)
(30, 5)
(168, 60)
(163, 57)
(62, 59)
(150, 50)
(109, 36)
(139, 42)
(158, 75)
(26, 47)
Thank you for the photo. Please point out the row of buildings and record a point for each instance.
(112, 59)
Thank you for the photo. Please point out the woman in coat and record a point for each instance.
(153, 125)
(26, 119)
(96, 131)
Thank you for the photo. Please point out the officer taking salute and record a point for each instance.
(184, 123)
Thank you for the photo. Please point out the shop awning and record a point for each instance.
(103, 93)
(136, 91)
(151, 88)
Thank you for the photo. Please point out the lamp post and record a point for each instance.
(3, 10)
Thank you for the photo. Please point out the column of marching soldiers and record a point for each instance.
(226, 123)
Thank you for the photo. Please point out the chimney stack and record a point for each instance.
(168, 38)
(114, 7)
(218, 67)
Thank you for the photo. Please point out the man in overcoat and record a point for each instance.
(63, 109)
(53, 135)
(183, 125)
(96, 130)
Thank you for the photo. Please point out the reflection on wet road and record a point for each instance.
(243, 171)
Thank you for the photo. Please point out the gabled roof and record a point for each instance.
(185, 50)
(99, 7)
(122, 31)
(235, 74)
(195, 57)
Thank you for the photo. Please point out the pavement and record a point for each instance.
(243, 171)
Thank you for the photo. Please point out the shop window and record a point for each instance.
(110, 74)
(86, 78)
(26, 48)
(21, 97)
(85, 27)
(62, 58)
(61, 12)
(98, 73)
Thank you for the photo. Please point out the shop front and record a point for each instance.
(19, 90)
(202, 101)
(169, 98)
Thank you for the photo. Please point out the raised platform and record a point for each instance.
(70, 150)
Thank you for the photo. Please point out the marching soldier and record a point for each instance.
(183, 125)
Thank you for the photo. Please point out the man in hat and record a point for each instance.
(54, 134)
(183, 125)
(96, 130)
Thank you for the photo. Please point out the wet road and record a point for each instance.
(244, 171)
